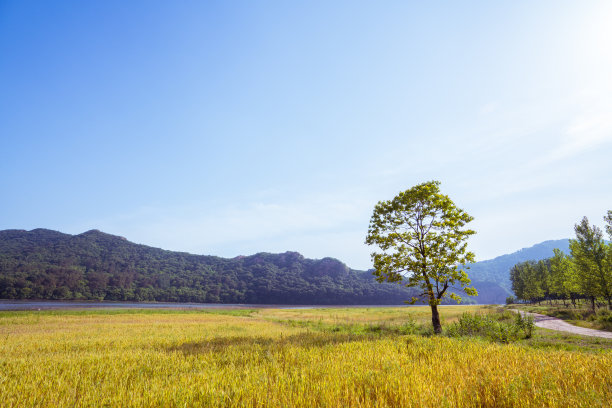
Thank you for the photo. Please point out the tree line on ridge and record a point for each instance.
(44, 264)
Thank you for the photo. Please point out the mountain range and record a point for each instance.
(46, 264)
(497, 269)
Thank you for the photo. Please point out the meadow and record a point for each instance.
(357, 357)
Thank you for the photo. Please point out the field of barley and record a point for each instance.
(360, 357)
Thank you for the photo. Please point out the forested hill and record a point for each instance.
(45, 264)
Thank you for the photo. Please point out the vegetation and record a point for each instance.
(584, 274)
(582, 315)
(592, 261)
(491, 278)
(503, 327)
(496, 270)
(423, 242)
(258, 358)
(44, 264)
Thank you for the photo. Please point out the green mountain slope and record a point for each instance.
(45, 264)
(497, 270)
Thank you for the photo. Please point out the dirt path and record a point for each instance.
(553, 323)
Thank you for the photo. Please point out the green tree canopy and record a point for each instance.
(563, 279)
(422, 239)
(589, 254)
(528, 280)
(608, 220)
(586, 273)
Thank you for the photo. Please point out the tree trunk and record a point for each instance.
(593, 303)
(435, 319)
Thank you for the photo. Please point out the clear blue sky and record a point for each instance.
(235, 127)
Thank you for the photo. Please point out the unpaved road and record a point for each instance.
(553, 323)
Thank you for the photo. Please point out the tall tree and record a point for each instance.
(423, 244)
(544, 278)
(519, 281)
(527, 280)
(608, 220)
(589, 254)
(563, 280)
(608, 260)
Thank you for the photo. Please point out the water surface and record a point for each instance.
(60, 304)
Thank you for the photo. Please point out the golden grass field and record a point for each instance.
(281, 358)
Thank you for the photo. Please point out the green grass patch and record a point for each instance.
(556, 340)
(497, 325)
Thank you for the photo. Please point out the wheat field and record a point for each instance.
(279, 358)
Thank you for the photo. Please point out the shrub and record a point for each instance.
(604, 318)
(510, 300)
(525, 323)
(503, 327)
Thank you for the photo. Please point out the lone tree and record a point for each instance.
(423, 241)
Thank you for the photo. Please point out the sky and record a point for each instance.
(231, 128)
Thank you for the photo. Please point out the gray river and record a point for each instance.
(58, 305)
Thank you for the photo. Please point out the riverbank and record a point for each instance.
(68, 305)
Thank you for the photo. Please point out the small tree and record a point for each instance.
(423, 243)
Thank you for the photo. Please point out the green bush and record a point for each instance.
(604, 318)
(502, 327)
(525, 323)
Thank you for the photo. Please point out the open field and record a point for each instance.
(272, 357)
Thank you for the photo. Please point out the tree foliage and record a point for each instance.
(422, 243)
(608, 221)
(563, 282)
(589, 253)
(585, 273)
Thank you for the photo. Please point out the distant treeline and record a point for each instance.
(586, 273)
(45, 264)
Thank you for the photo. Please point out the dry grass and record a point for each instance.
(256, 359)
